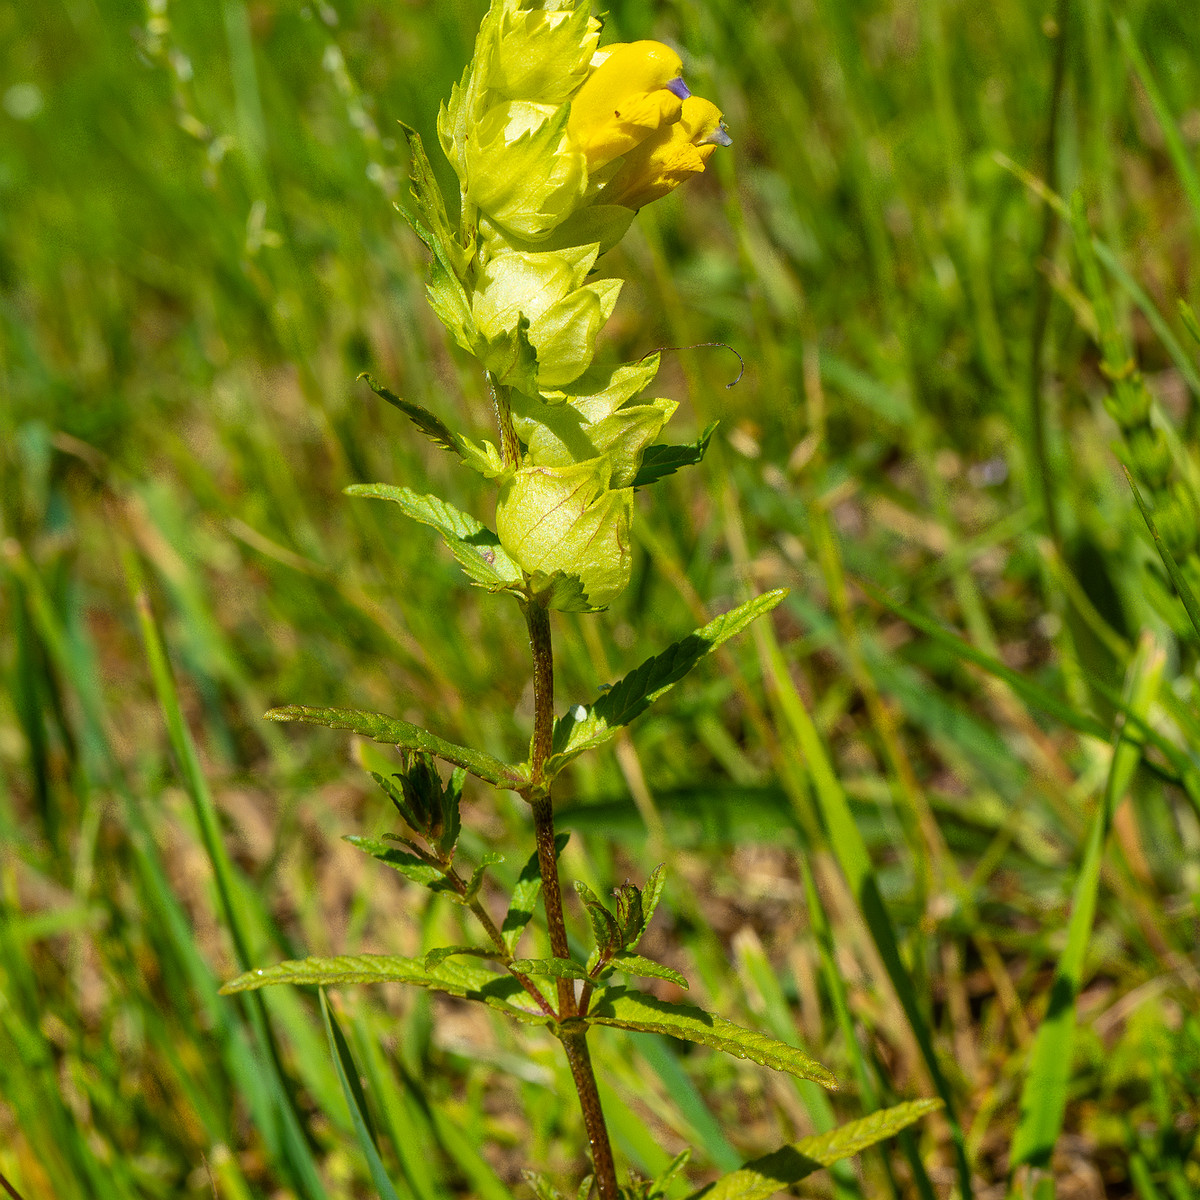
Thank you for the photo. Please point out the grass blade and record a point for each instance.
(356, 1102)
(1177, 577)
(1044, 1097)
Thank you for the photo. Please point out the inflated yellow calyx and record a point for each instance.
(632, 93)
(668, 156)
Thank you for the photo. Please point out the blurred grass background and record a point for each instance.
(198, 255)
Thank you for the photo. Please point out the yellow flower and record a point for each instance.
(668, 156)
(635, 90)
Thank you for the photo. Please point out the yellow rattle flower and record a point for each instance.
(636, 89)
(668, 156)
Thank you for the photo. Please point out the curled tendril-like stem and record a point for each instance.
(699, 346)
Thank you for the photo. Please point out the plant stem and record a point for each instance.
(574, 1035)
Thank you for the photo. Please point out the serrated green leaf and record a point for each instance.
(647, 968)
(604, 925)
(431, 206)
(441, 953)
(396, 796)
(525, 895)
(662, 1181)
(777, 1172)
(451, 816)
(476, 547)
(479, 456)
(651, 894)
(380, 728)
(465, 980)
(585, 728)
(627, 1009)
(630, 919)
(554, 968)
(476, 881)
(660, 461)
(561, 592)
(399, 860)
(1182, 587)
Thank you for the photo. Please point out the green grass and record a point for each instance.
(914, 825)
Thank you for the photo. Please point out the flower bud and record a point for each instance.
(668, 156)
(564, 315)
(567, 520)
(635, 90)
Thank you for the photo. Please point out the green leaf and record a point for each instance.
(409, 865)
(604, 925)
(630, 919)
(647, 968)
(476, 547)
(1044, 1096)
(661, 461)
(476, 880)
(663, 1180)
(380, 728)
(554, 968)
(356, 1102)
(1177, 577)
(464, 980)
(481, 457)
(431, 207)
(585, 728)
(777, 1172)
(651, 894)
(525, 896)
(439, 955)
(451, 816)
(627, 1009)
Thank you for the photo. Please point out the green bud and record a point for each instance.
(1148, 455)
(521, 169)
(564, 317)
(567, 520)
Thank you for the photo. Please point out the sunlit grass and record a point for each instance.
(197, 257)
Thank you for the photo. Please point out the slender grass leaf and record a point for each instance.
(1177, 577)
(356, 1102)
(585, 728)
(647, 968)
(660, 461)
(380, 728)
(476, 547)
(465, 980)
(523, 902)
(855, 862)
(777, 1172)
(627, 1009)
(1187, 314)
(1030, 692)
(1179, 153)
(1044, 1096)
(553, 968)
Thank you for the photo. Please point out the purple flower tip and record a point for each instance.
(678, 87)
